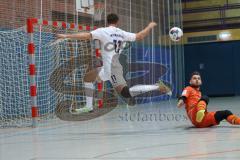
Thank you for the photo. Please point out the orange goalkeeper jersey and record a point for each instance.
(193, 95)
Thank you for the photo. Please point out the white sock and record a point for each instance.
(89, 91)
(140, 89)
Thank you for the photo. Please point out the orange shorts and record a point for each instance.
(208, 120)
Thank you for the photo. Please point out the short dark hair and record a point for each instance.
(195, 73)
(112, 18)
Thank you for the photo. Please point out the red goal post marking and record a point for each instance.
(32, 67)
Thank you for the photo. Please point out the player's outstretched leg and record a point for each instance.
(140, 89)
(130, 93)
(228, 115)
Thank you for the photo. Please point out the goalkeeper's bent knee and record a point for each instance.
(200, 115)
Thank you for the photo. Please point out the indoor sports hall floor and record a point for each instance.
(127, 134)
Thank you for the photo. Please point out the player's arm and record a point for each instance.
(183, 98)
(77, 36)
(145, 32)
(181, 102)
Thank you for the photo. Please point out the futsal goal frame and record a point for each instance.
(31, 22)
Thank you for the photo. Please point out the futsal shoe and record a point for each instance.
(164, 88)
(82, 110)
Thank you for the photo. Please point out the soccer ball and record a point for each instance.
(175, 34)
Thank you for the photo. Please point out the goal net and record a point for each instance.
(38, 75)
(14, 83)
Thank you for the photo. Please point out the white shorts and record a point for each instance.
(115, 77)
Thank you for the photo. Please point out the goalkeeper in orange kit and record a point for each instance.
(196, 106)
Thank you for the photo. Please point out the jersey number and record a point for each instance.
(117, 45)
(114, 79)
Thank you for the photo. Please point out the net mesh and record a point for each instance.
(59, 75)
(14, 84)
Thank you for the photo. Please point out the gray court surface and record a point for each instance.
(153, 131)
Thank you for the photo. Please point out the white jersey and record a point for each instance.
(112, 40)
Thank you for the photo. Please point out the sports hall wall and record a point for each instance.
(219, 65)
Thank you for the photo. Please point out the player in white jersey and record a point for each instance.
(112, 40)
